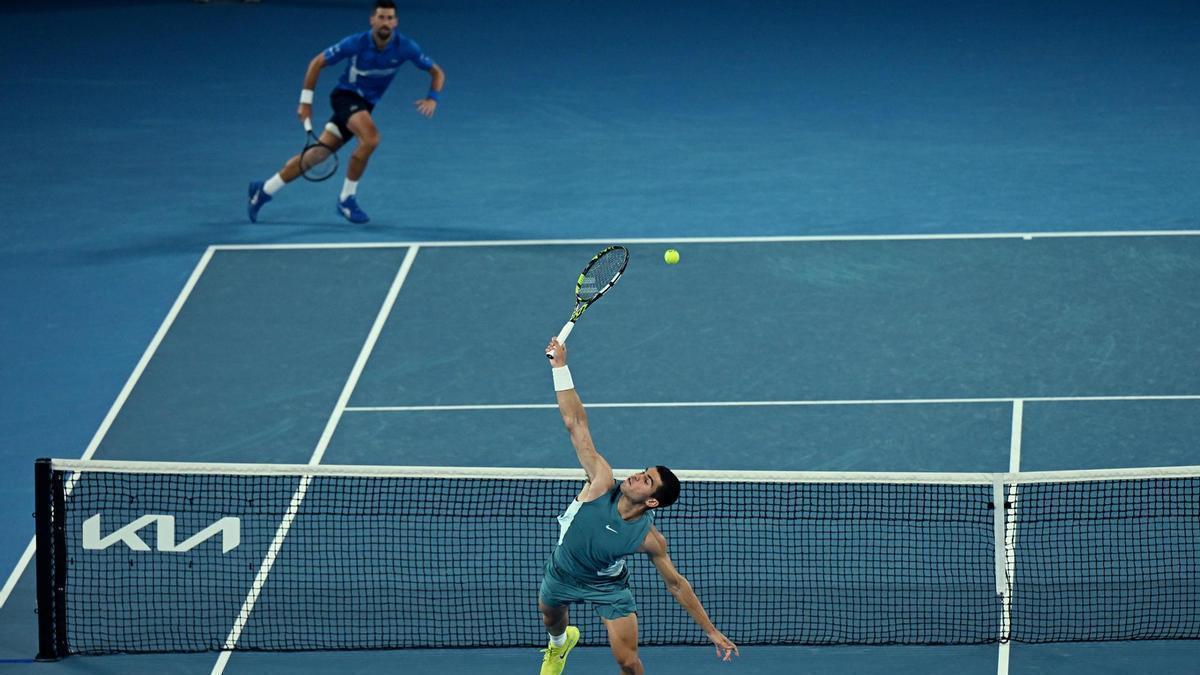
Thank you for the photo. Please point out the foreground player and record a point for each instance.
(608, 521)
(374, 57)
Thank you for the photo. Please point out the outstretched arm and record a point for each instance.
(310, 83)
(655, 546)
(599, 473)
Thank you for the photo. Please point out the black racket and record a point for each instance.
(599, 275)
(317, 160)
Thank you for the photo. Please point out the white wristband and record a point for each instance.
(562, 378)
(306, 96)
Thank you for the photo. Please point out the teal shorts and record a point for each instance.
(612, 600)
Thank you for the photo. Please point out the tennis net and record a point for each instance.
(173, 557)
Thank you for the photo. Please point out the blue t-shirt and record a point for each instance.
(371, 70)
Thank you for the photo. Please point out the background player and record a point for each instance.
(372, 57)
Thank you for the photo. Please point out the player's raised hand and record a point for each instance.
(557, 352)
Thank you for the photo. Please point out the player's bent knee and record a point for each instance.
(626, 656)
(628, 661)
(552, 615)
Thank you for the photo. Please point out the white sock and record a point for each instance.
(348, 189)
(273, 184)
(559, 640)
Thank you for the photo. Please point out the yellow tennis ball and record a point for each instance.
(671, 256)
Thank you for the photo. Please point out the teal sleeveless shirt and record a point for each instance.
(593, 539)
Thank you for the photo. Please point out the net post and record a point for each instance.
(49, 517)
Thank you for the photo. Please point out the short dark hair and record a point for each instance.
(668, 492)
(385, 4)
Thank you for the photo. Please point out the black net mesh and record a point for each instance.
(396, 562)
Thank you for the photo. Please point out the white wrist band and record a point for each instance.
(306, 96)
(562, 378)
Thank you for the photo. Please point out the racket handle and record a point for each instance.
(308, 124)
(562, 337)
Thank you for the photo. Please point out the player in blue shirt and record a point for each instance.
(608, 521)
(372, 59)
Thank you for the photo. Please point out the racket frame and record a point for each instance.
(581, 305)
(311, 142)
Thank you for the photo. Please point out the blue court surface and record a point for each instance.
(899, 225)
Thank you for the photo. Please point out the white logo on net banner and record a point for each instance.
(229, 528)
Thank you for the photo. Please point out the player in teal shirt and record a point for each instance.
(606, 522)
(372, 59)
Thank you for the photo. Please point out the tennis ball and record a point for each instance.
(671, 256)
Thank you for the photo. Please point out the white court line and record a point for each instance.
(18, 571)
(1010, 533)
(122, 397)
(335, 417)
(755, 404)
(717, 240)
(1014, 448)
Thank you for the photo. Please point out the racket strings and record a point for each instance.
(318, 161)
(602, 273)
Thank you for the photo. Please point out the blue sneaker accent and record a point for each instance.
(257, 199)
(348, 209)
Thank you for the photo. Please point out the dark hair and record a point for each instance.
(385, 4)
(668, 492)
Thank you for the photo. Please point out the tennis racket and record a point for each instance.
(599, 275)
(317, 160)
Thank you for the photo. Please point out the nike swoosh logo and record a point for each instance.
(609, 528)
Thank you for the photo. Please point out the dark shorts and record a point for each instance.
(611, 600)
(346, 103)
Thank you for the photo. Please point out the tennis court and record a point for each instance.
(927, 240)
(353, 349)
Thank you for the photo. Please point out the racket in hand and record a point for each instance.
(317, 160)
(599, 275)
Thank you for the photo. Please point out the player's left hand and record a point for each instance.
(426, 106)
(723, 644)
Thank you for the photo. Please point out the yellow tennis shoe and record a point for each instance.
(555, 658)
